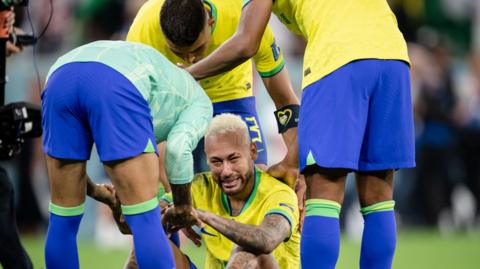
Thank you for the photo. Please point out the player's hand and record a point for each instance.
(193, 236)
(183, 66)
(105, 193)
(284, 171)
(12, 49)
(300, 190)
(178, 217)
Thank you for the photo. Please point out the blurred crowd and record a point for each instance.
(444, 46)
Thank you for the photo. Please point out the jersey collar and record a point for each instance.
(213, 12)
(251, 197)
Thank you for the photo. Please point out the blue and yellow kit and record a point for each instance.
(368, 31)
(234, 84)
(269, 196)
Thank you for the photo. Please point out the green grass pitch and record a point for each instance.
(415, 249)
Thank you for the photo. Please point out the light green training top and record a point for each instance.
(180, 109)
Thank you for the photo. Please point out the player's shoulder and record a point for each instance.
(151, 7)
(225, 6)
(203, 180)
(271, 185)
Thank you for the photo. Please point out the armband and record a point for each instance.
(287, 117)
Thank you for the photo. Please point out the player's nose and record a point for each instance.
(227, 170)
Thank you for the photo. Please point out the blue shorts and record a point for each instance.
(246, 109)
(88, 102)
(359, 117)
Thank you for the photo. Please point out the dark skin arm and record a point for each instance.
(181, 214)
(241, 46)
(261, 239)
(106, 194)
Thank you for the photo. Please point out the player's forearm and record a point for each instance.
(241, 46)
(231, 54)
(163, 174)
(252, 238)
(280, 89)
(181, 194)
(91, 186)
(290, 140)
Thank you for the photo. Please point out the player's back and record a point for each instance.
(167, 88)
(340, 31)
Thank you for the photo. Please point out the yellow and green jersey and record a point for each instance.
(340, 31)
(269, 196)
(231, 85)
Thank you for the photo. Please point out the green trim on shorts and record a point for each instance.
(149, 148)
(310, 159)
(322, 207)
(140, 208)
(378, 207)
(66, 211)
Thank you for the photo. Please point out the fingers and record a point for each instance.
(193, 236)
(183, 66)
(12, 49)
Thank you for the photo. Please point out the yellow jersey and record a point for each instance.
(269, 196)
(231, 85)
(340, 31)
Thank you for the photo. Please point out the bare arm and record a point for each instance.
(262, 239)
(280, 90)
(163, 174)
(241, 46)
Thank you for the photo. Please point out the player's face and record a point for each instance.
(195, 52)
(231, 161)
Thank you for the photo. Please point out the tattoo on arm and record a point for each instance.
(261, 239)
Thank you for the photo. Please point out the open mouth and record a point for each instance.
(230, 183)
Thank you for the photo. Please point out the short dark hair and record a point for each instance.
(182, 21)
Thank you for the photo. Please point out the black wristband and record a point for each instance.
(287, 117)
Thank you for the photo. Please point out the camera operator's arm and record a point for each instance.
(7, 18)
(11, 47)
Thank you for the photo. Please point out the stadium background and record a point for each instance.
(437, 202)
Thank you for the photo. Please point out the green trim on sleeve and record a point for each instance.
(245, 2)
(140, 208)
(378, 207)
(66, 211)
(273, 72)
(284, 213)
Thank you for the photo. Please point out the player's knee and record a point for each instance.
(332, 174)
(371, 198)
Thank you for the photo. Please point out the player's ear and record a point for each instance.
(253, 151)
(211, 21)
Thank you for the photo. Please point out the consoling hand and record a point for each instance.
(178, 217)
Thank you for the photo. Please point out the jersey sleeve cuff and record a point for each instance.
(284, 213)
(274, 71)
